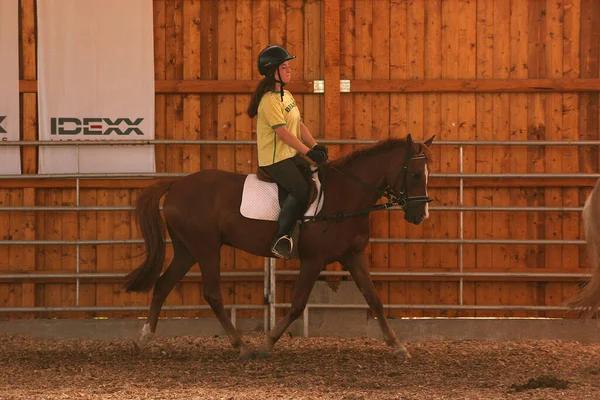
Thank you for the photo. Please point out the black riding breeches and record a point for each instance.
(287, 174)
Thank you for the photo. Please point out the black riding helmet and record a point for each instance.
(272, 56)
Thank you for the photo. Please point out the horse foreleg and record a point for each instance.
(356, 263)
(309, 272)
(182, 262)
(210, 268)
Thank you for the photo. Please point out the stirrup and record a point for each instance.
(282, 248)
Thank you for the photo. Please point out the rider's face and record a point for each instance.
(286, 72)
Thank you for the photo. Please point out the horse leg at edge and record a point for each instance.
(211, 277)
(356, 263)
(181, 264)
(309, 272)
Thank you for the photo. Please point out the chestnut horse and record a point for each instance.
(588, 300)
(202, 213)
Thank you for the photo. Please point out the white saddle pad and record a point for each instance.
(260, 200)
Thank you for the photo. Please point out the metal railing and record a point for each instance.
(269, 274)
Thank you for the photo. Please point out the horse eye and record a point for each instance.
(416, 175)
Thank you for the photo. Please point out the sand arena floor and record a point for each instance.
(313, 368)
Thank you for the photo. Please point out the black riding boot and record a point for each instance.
(291, 210)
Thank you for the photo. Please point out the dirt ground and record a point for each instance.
(314, 368)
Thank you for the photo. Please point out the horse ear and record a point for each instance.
(409, 140)
(429, 141)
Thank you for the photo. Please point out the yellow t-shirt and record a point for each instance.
(272, 112)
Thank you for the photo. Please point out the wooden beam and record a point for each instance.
(475, 85)
(198, 86)
(332, 68)
(136, 183)
(373, 86)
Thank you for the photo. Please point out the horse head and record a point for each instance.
(410, 186)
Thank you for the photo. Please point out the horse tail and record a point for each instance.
(152, 225)
(588, 300)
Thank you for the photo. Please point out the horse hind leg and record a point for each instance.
(181, 264)
(309, 272)
(209, 259)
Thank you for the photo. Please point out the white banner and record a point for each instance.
(96, 82)
(10, 157)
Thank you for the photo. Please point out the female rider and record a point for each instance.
(281, 138)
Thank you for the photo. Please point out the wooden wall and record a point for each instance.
(460, 69)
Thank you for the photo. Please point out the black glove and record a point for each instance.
(320, 147)
(317, 156)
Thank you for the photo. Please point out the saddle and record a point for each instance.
(307, 173)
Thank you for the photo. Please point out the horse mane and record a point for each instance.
(379, 147)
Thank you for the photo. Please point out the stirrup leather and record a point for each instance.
(282, 248)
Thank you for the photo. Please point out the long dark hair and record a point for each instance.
(265, 85)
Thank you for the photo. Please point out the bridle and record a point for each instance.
(400, 198)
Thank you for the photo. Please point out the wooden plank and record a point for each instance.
(88, 230)
(68, 260)
(40, 254)
(311, 106)
(246, 292)
(554, 160)
(347, 71)
(192, 51)
(260, 39)
(332, 56)
(518, 120)
(105, 221)
(467, 66)
(436, 182)
(541, 85)
(14, 253)
(398, 122)
(570, 130)
(381, 114)
(208, 71)
(174, 70)
(432, 122)
(160, 73)
(28, 261)
(537, 130)
(415, 61)
(532, 85)
(23, 228)
(500, 131)
(137, 257)
(189, 293)
(277, 23)
(53, 256)
(449, 160)
(121, 253)
(518, 222)
(588, 104)
(483, 197)
(174, 51)
(537, 275)
(363, 69)
(226, 112)
(28, 70)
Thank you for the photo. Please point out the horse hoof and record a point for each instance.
(136, 348)
(263, 354)
(401, 353)
(247, 354)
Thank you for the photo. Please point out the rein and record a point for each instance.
(401, 198)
